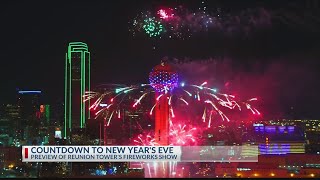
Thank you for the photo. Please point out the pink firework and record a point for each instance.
(164, 83)
(181, 135)
(165, 13)
(145, 140)
(108, 102)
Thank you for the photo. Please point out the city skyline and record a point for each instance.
(216, 88)
(107, 34)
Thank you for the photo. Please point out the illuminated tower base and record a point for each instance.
(162, 132)
(162, 121)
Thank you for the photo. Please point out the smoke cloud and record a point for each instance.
(283, 89)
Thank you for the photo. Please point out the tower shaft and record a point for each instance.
(162, 131)
(162, 120)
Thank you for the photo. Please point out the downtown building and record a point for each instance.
(76, 111)
(28, 102)
(310, 130)
(77, 82)
(34, 118)
(272, 166)
(24, 122)
(9, 117)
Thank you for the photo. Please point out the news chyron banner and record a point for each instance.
(140, 153)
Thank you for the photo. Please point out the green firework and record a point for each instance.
(152, 27)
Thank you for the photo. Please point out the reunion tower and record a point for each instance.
(163, 78)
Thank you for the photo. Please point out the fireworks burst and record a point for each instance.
(179, 135)
(108, 103)
(180, 22)
(165, 14)
(145, 140)
(152, 27)
(164, 85)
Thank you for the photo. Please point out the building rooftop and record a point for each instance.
(279, 133)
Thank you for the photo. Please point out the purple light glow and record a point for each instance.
(163, 78)
(274, 148)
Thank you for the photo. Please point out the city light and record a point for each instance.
(29, 92)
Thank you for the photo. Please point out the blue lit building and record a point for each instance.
(273, 139)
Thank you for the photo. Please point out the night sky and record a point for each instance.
(35, 35)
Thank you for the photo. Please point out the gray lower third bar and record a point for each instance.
(219, 153)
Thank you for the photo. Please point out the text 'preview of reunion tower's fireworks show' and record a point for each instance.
(224, 89)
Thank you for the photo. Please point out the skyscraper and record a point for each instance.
(28, 102)
(77, 81)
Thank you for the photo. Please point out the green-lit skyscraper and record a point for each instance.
(77, 81)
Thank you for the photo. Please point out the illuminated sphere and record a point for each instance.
(163, 78)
